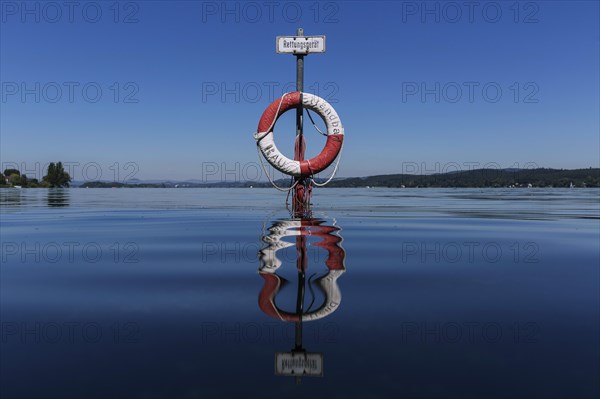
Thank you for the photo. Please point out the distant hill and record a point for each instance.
(541, 177)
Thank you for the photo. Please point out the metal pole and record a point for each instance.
(299, 192)
(301, 263)
(299, 87)
(299, 200)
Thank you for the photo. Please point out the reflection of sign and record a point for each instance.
(300, 44)
(299, 364)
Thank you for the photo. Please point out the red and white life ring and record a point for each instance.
(266, 142)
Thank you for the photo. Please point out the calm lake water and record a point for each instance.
(166, 293)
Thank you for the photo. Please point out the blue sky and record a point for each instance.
(420, 86)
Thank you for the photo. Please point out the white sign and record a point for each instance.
(299, 364)
(300, 44)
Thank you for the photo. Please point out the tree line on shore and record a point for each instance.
(56, 176)
(478, 178)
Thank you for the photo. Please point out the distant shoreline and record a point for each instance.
(478, 178)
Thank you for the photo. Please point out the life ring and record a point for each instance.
(327, 284)
(265, 140)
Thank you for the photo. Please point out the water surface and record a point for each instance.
(167, 293)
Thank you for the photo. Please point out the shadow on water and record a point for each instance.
(58, 197)
(299, 234)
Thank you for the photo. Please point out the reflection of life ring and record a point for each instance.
(266, 143)
(270, 263)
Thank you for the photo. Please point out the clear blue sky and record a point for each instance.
(168, 61)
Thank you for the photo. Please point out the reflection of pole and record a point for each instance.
(299, 309)
(299, 190)
(290, 363)
(301, 264)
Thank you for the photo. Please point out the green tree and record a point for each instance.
(57, 176)
(8, 172)
(14, 179)
(51, 176)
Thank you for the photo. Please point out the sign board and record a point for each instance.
(300, 44)
(299, 364)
